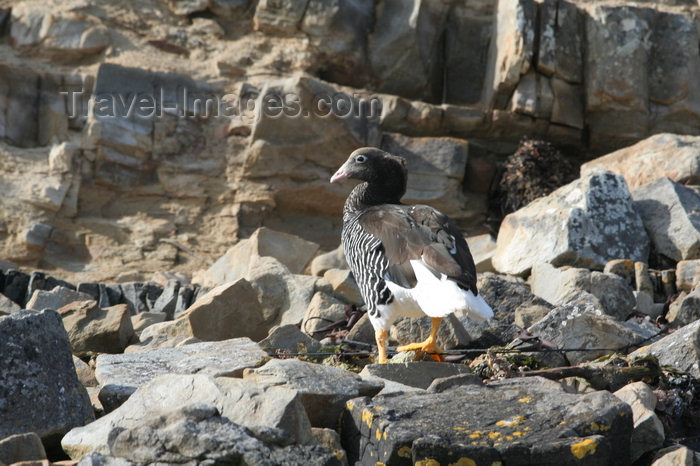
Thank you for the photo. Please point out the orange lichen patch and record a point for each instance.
(367, 417)
(509, 437)
(379, 463)
(476, 434)
(405, 452)
(514, 421)
(349, 405)
(494, 435)
(427, 462)
(517, 433)
(583, 448)
(527, 428)
(378, 434)
(384, 435)
(595, 427)
(464, 462)
(525, 399)
(496, 463)
(338, 454)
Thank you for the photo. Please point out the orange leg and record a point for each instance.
(429, 345)
(381, 336)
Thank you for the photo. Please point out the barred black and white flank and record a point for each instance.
(408, 260)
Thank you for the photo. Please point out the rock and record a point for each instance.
(362, 331)
(482, 247)
(645, 305)
(685, 309)
(344, 285)
(642, 278)
(681, 349)
(648, 433)
(557, 285)
(269, 277)
(436, 170)
(86, 374)
(587, 223)
(676, 455)
(322, 311)
(670, 214)
(279, 17)
(527, 315)
(301, 290)
(580, 324)
(255, 407)
(41, 392)
(672, 155)
(7, 306)
(145, 319)
(334, 259)
(451, 334)
(521, 418)
(330, 439)
(169, 334)
(404, 45)
(323, 390)
(93, 330)
(511, 51)
(15, 287)
(21, 447)
(55, 299)
(687, 275)
(624, 268)
(120, 375)
(61, 158)
(168, 299)
(199, 433)
(37, 235)
(228, 311)
(288, 338)
(441, 384)
(292, 251)
(567, 108)
(414, 374)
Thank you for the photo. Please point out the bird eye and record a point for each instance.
(360, 159)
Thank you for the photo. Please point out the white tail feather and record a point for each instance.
(479, 309)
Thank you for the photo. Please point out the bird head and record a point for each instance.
(372, 165)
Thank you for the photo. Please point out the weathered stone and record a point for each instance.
(681, 349)
(169, 334)
(451, 333)
(330, 439)
(623, 268)
(527, 315)
(362, 331)
(561, 29)
(288, 338)
(292, 251)
(37, 235)
(301, 289)
(285, 16)
(322, 311)
(442, 384)
(253, 406)
(15, 287)
(676, 455)
(86, 374)
(403, 47)
(687, 275)
(580, 324)
(93, 330)
(228, 8)
(145, 319)
(21, 447)
(344, 285)
(168, 299)
(228, 311)
(482, 248)
(334, 259)
(685, 309)
(556, 285)
(642, 278)
(646, 305)
(323, 390)
(120, 375)
(587, 223)
(567, 108)
(669, 211)
(511, 50)
(7, 306)
(55, 299)
(22, 104)
(522, 422)
(672, 155)
(41, 391)
(648, 433)
(436, 170)
(187, 7)
(199, 433)
(414, 374)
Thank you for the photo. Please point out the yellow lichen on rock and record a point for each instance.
(464, 462)
(405, 452)
(584, 448)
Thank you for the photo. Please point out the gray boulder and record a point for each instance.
(334, 259)
(681, 349)
(119, 375)
(648, 433)
(687, 275)
(671, 216)
(41, 391)
(414, 374)
(198, 433)
(323, 390)
(288, 338)
(521, 422)
(685, 309)
(55, 299)
(7, 306)
(21, 447)
(323, 310)
(262, 408)
(585, 223)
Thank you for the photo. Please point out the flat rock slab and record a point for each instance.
(39, 388)
(511, 423)
(323, 389)
(681, 349)
(414, 374)
(260, 408)
(120, 375)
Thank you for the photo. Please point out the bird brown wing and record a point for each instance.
(415, 232)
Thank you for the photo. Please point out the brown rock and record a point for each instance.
(344, 285)
(687, 274)
(94, 330)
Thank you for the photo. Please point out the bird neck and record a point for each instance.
(368, 194)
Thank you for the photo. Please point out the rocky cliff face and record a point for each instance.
(149, 135)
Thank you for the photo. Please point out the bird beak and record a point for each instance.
(341, 174)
